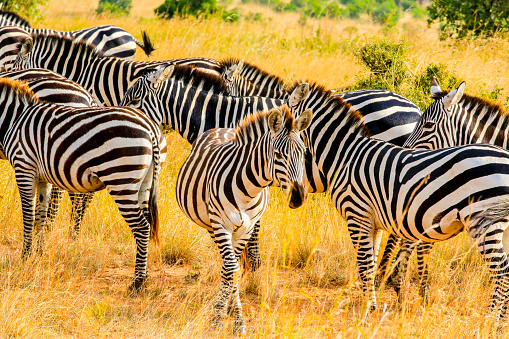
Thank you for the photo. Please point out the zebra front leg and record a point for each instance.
(43, 199)
(80, 203)
(230, 273)
(387, 262)
(362, 238)
(423, 250)
(253, 248)
(54, 204)
(27, 188)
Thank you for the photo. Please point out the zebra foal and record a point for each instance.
(417, 195)
(83, 150)
(223, 187)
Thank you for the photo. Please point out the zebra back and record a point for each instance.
(8, 18)
(107, 78)
(53, 87)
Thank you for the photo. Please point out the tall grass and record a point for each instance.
(307, 286)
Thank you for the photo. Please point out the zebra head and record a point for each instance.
(22, 60)
(237, 84)
(437, 128)
(288, 153)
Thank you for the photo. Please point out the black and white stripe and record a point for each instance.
(83, 150)
(111, 40)
(418, 195)
(11, 38)
(223, 187)
(453, 119)
(107, 78)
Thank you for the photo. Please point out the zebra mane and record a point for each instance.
(255, 125)
(196, 77)
(327, 97)
(256, 71)
(15, 17)
(67, 42)
(480, 103)
(19, 89)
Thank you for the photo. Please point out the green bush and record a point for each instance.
(117, 7)
(26, 8)
(185, 8)
(461, 19)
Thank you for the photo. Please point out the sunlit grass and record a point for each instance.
(307, 286)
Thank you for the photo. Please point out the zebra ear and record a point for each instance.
(27, 46)
(304, 120)
(275, 120)
(454, 96)
(234, 70)
(435, 87)
(300, 93)
(161, 75)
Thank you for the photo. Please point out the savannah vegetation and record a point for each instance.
(307, 286)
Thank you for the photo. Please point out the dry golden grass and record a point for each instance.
(307, 286)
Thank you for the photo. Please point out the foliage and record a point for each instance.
(27, 8)
(185, 8)
(461, 19)
(117, 7)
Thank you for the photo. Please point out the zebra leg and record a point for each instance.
(43, 199)
(230, 272)
(423, 250)
(253, 248)
(384, 269)
(54, 204)
(80, 203)
(27, 188)
(401, 265)
(493, 250)
(362, 238)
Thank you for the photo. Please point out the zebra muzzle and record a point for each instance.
(298, 195)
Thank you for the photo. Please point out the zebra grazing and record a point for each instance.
(107, 78)
(11, 38)
(83, 150)
(223, 187)
(418, 195)
(111, 40)
(54, 88)
(453, 119)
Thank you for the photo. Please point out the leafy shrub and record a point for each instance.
(230, 16)
(117, 7)
(461, 19)
(26, 8)
(185, 8)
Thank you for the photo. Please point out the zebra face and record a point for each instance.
(436, 128)
(288, 154)
(144, 93)
(22, 60)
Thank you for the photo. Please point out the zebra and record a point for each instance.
(453, 119)
(223, 187)
(111, 40)
(418, 195)
(54, 88)
(83, 150)
(107, 78)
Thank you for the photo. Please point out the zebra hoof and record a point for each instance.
(138, 286)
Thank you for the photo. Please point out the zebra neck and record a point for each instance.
(12, 108)
(192, 111)
(482, 124)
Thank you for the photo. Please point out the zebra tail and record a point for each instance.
(146, 45)
(154, 193)
(496, 213)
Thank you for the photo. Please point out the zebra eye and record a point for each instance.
(278, 155)
(429, 124)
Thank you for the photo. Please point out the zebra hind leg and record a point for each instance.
(387, 264)
(54, 204)
(253, 248)
(80, 203)
(423, 250)
(401, 262)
